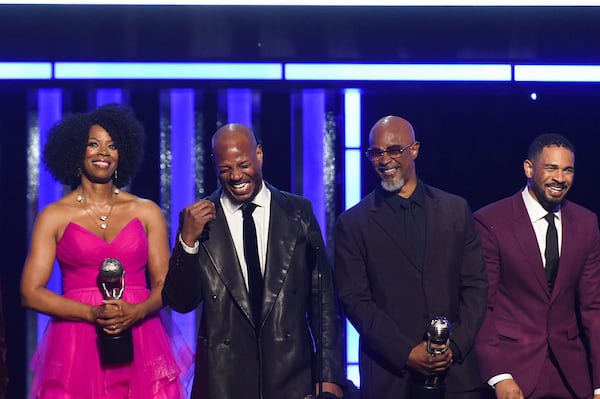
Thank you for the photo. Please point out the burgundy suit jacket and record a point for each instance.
(523, 319)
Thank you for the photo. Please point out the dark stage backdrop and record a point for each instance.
(474, 136)
(473, 143)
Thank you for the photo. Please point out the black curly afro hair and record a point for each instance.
(67, 141)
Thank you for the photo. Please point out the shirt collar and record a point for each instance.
(418, 196)
(534, 209)
(394, 200)
(262, 199)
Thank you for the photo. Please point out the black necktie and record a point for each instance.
(255, 281)
(551, 251)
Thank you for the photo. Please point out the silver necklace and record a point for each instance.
(104, 219)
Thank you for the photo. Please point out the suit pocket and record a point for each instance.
(508, 331)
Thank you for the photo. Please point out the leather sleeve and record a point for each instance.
(323, 291)
(182, 289)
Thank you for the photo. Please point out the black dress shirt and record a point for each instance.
(410, 213)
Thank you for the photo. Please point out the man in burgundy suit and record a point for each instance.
(531, 344)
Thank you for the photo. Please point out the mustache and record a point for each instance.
(560, 185)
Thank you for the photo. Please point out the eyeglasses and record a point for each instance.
(394, 151)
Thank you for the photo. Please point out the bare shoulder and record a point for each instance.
(55, 216)
(139, 207)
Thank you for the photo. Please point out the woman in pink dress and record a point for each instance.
(98, 153)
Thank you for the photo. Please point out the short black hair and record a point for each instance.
(545, 140)
(67, 141)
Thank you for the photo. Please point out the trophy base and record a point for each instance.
(427, 393)
(432, 387)
(115, 349)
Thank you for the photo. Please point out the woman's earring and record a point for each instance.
(116, 174)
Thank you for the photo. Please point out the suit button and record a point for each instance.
(287, 335)
(227, 341)
(214, 298)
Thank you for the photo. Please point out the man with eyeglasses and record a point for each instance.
(408, 253)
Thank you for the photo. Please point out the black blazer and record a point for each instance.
(230, 361)
(389, 299)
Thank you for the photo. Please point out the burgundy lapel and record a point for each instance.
(525, 237)
(432, 233)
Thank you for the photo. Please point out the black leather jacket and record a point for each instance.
(230, 361)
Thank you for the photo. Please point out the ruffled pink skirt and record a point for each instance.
(66, 364)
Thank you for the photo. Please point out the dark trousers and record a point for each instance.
(464, 395)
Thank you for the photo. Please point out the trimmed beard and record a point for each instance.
(549, 204)
(394, 186)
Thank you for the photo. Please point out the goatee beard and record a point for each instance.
(394, 186)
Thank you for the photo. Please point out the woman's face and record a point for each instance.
(101, 156)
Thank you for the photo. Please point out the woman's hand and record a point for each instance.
(117, 315)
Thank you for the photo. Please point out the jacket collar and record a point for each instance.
(285, 225)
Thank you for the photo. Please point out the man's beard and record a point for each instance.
(548, 204)
(393, 186)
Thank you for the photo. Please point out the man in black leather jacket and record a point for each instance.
(244, 352)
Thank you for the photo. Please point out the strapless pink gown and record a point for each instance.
(66, 364)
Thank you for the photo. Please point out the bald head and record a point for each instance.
(233, 132)
(401, 128)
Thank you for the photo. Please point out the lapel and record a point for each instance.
(219, 247)
(383, 216)
(433, 233)
(526, 240)
(285, 226)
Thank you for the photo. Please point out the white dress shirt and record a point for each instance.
(536, 214)
(235, 222)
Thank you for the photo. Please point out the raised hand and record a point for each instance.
(195, 218)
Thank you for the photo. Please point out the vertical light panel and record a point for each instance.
(49, 111)
(352, 121)
(352, 175)
(239, 106)
(352, 338)
(352, 118)
(105, 96)
(313, 127)
(181, 163)
(352, 195)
